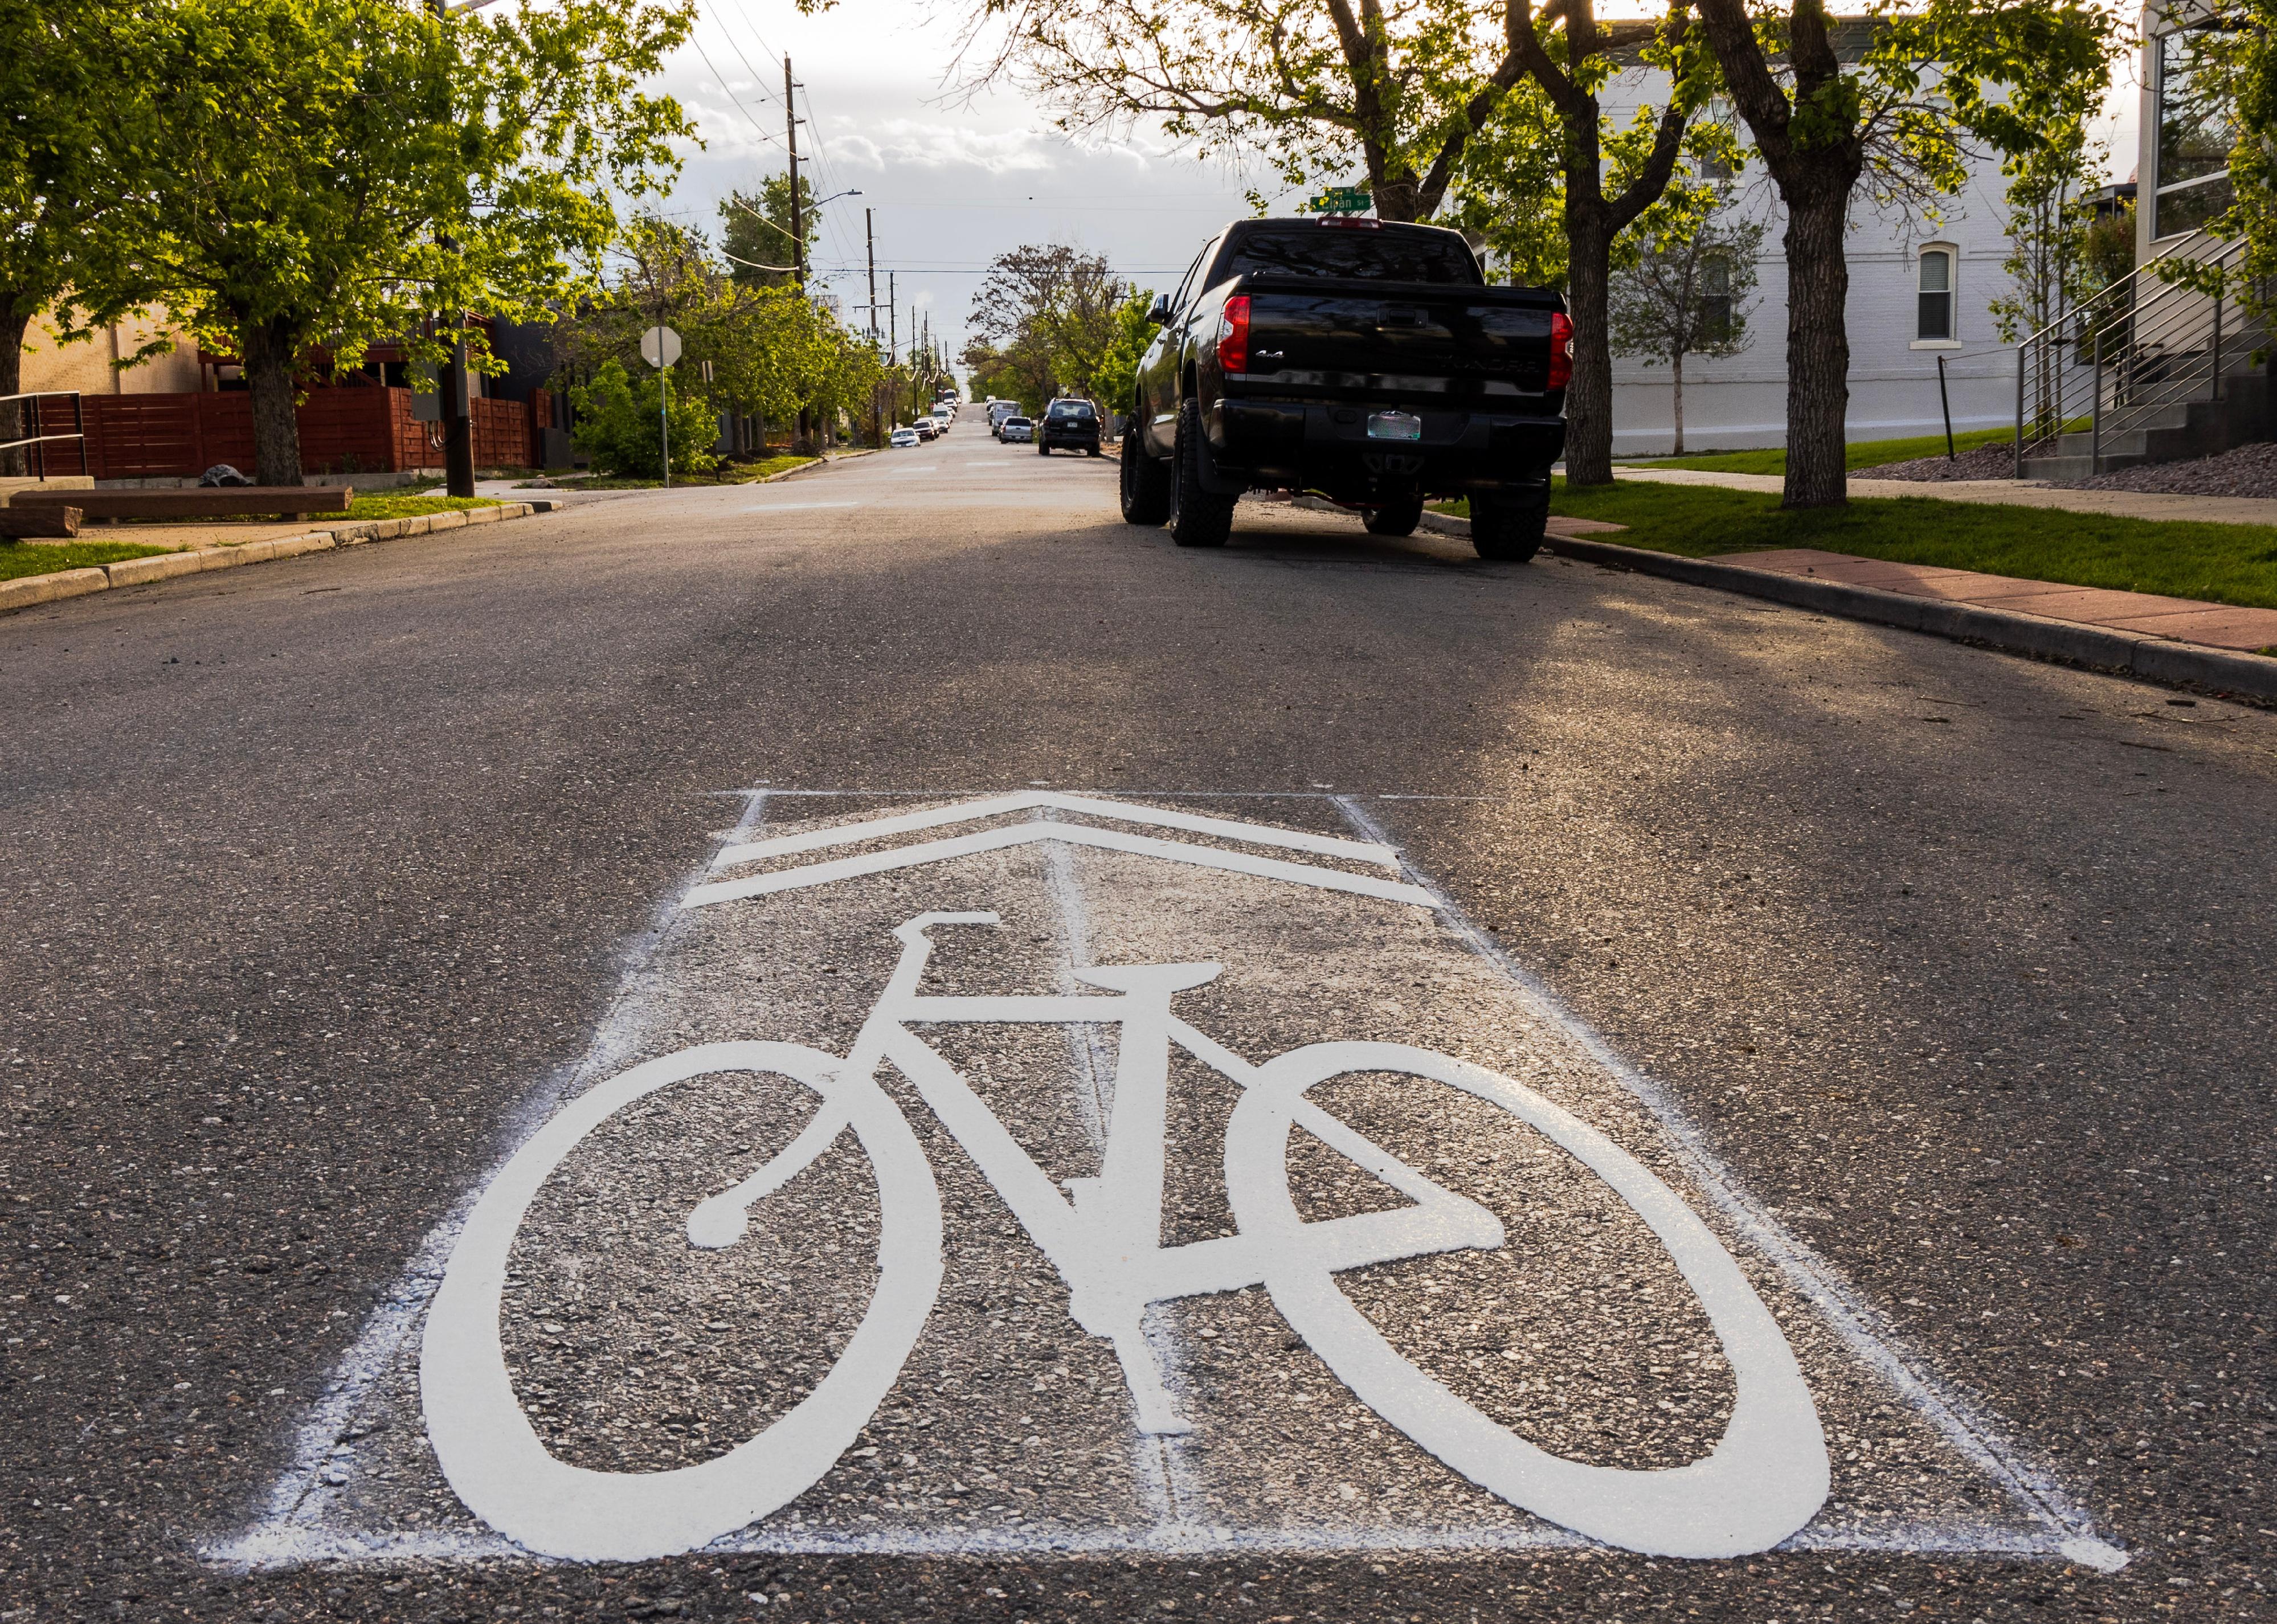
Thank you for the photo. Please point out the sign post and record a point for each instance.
(660, 348)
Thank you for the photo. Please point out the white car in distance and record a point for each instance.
(904, 439)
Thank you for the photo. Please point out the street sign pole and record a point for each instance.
(660, 348)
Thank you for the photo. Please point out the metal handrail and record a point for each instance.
(2146, 344)
(40, 441)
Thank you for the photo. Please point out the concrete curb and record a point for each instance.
(2224, 671)
(25, 591)
(2157, 659)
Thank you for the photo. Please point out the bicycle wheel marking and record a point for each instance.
(1320, 953)
(494, 1457)
(1766, 1477)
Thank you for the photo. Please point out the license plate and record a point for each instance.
(1394, 426)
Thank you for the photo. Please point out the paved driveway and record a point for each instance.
(887, 1045)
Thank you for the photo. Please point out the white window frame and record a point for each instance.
(1951, 253)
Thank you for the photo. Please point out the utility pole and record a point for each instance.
(870, 243)
(894, 330)
(452, 397)
(798, 214)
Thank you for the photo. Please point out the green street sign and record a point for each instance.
(1342, 200)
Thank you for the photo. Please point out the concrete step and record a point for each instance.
(2083, 466)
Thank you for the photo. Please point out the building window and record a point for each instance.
(1935, 321)
(2195, 133)
(1715, 301)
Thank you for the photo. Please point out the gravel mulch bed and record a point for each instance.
(1979, 462)
(2249, 470)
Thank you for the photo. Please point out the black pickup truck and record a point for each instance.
(1365, 359)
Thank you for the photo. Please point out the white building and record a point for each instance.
(1920, 289)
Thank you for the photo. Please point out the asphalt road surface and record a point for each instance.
(889, 1047)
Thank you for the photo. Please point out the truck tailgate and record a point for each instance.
(1319, 339)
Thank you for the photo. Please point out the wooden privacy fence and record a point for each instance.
(343, 431)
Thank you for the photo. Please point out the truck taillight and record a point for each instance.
(1233, 334)
(1561, 350)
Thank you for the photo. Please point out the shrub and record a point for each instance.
(617, 425)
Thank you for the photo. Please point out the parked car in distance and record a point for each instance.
(1069, 424)
(998, 411)
(904, 439)
(1364, 359)
(925, 431)
(941, 419)
(1017, 431)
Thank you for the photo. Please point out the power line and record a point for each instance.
(757, 128)
(757, 77)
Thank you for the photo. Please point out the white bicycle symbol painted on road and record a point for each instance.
(1766, 1477)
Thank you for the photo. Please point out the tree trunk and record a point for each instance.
(15, 316)
(1817, 344)
(1398, 198)
(266, 351)
(1676, 367)
(1589, 397)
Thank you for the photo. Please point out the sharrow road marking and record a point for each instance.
(1077, 833)
(1123, 811)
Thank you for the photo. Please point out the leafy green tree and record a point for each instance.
(1887, 105)
(1683, 288)
(1114, 382)
(755, 231)
(1307, 85)
(305, 174)
(2049, 223)
(1044, 321)
(1570, 57)
(770, 353)
(621, 425)
(57, 77)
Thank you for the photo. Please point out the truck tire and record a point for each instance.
(1146, 483)
(1043, 448)
(1396, 518)
(1198, 518)
(1507, 525)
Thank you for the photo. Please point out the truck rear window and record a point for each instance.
(1382, 255)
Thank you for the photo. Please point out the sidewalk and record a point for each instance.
(2223, 626)
(249, 544)
(2216, 648)
(2001, 492)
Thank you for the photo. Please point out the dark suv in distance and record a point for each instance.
(1069, 425)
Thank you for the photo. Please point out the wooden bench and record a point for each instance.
(41, 522)
(194, 502)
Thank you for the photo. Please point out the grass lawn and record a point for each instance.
(2222, 563)
(731, 474)
(772, 465)
(393, 506)
(1861, 454)
(26, 557)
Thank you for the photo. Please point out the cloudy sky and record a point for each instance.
(951, 182)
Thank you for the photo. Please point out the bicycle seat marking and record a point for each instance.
(1765, 1479)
